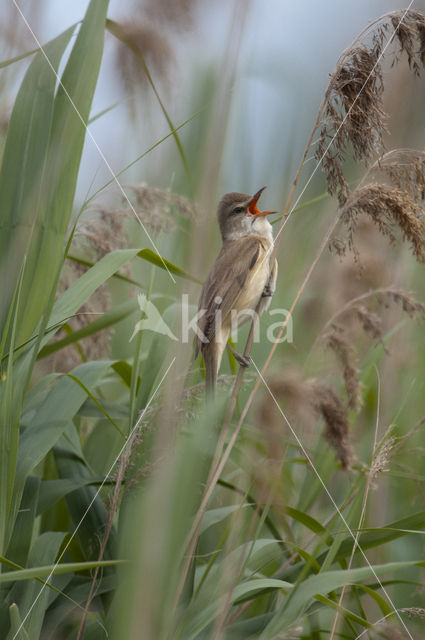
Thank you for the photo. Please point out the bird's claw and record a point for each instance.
(267, 292)
(244, 361)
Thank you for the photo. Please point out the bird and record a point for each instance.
(242, 278)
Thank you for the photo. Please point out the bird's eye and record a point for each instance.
(238, 209)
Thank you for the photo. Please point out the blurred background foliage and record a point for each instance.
(115, 519)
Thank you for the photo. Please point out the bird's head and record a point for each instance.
(238, 215)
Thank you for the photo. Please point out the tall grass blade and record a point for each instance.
(25, 155)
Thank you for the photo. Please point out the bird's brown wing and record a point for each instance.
(225, 281)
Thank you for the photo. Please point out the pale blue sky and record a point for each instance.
(297, 43)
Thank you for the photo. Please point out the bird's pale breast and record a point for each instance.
(253, 288)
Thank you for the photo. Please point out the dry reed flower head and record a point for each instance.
(101, 232)
(414, 612)
(370, 322)
(159, 209)
(405, 169)
(146, 46)
(390, 196)
(353, 109)
(291, 387)
(334, 413)
(374, 268)
(176, 14)
(346, 355)
(388, 631)
(151, 44)
(382, 455)
(413, 308)
(339, 333)
(308, 400)
(354, 114)
(388, 207)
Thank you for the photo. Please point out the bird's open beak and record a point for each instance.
(252, 205)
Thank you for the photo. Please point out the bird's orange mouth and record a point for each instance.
(252, 206)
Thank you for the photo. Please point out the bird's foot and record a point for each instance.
(267, 292)
(244, 361)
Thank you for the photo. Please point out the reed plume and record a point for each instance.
(353, 114)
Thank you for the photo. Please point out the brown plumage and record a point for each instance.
(241, 277)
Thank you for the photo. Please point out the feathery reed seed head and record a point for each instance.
(328, 405)
(388, 207)
(344, 351)
(159, 209)
(151, 44)
(353, 111)
(311, 399)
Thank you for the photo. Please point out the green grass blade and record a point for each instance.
(314, 200)
(157, 260)
(309, 522)
(96, 402)
(119, 276)
(11, 394)
(44, 550)
(25, 155)
(108, 319)
(81, 290)
(322, 584)
(17, 630)
(53, 490)
(84, 501)
(22, 56)
(62, 402)
(59, 569)
(57, 188)
(142, 155)
(74, 297)
(23, 531)
(120, 33)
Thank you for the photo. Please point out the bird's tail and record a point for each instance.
(210, 359)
